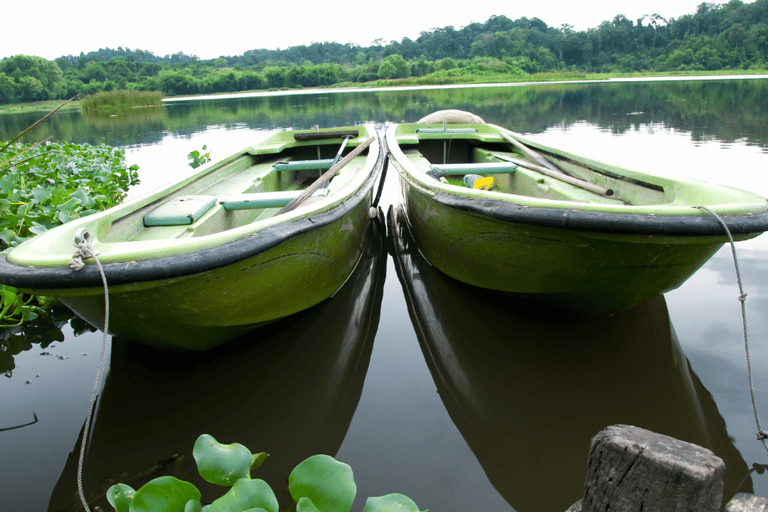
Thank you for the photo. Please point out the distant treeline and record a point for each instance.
(716, 37)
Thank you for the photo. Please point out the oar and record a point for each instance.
(597, 189)
(341, 149)
(327, 175)
(531, 153)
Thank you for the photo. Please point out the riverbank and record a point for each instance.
(415, 83)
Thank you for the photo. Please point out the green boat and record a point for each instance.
(272, 230)
(496, 210)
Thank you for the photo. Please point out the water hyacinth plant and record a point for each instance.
(47, 184)
(198, 158)
(318, 484)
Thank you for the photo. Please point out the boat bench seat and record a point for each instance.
(265, 199)
(437, 131)
(259, 200)
(180, 211)
(304, 165)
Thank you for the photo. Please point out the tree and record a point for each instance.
(35, 77)
(7, 89)
(394, 66)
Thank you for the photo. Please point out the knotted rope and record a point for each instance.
(762, 435)
(83, 251)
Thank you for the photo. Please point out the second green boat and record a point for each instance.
(496, 210)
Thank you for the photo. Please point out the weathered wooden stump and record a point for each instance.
(747, 503)
(633, 469)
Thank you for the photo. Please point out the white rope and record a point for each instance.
(84, 251)
(762, 436)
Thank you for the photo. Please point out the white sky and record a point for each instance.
(230, 27)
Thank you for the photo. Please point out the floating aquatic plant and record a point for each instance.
(44, 185)
(198, 158)
(318, 484)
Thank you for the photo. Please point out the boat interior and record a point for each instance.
(461, 159)
(240, 190)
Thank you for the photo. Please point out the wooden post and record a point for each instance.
(633, 469)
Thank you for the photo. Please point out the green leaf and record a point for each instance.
(305, 505)
(391, 503)
(120, 496)
(164, 494)
(37, 228)
(193, 506)
(41, 194)
(247, 494)
(221, 464)
(258, 459)
(8, 182)
(328, 483)
(84, 198)
(70, 205)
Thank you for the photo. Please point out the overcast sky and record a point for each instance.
(228, 27)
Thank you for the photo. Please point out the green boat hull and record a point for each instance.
(546, 239)
(210, 257)
(200, 311)
(580, 271)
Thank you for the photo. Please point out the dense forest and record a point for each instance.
(716, 37)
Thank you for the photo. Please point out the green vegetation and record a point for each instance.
(318, 484)
(44, 185)
(198, 158)
(119, 102)
(732, 36)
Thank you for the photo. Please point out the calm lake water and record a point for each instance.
(453, 396)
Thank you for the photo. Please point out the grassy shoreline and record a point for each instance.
(430, 80)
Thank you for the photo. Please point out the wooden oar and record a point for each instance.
(327, 175)
(597, 189)
(531, 153)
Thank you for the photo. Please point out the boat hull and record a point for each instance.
(200, 311)
(581, 271)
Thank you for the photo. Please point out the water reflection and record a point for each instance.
(46, 329)
(726, 110)
(529, 389)
(292, 395)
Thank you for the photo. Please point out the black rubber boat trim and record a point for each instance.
(608, 223)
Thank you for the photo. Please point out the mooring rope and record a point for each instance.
(762, 435)
(85, 250)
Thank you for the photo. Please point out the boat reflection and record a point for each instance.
(292, 395)
(528, 388)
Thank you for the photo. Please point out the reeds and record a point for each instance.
(119, 102)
